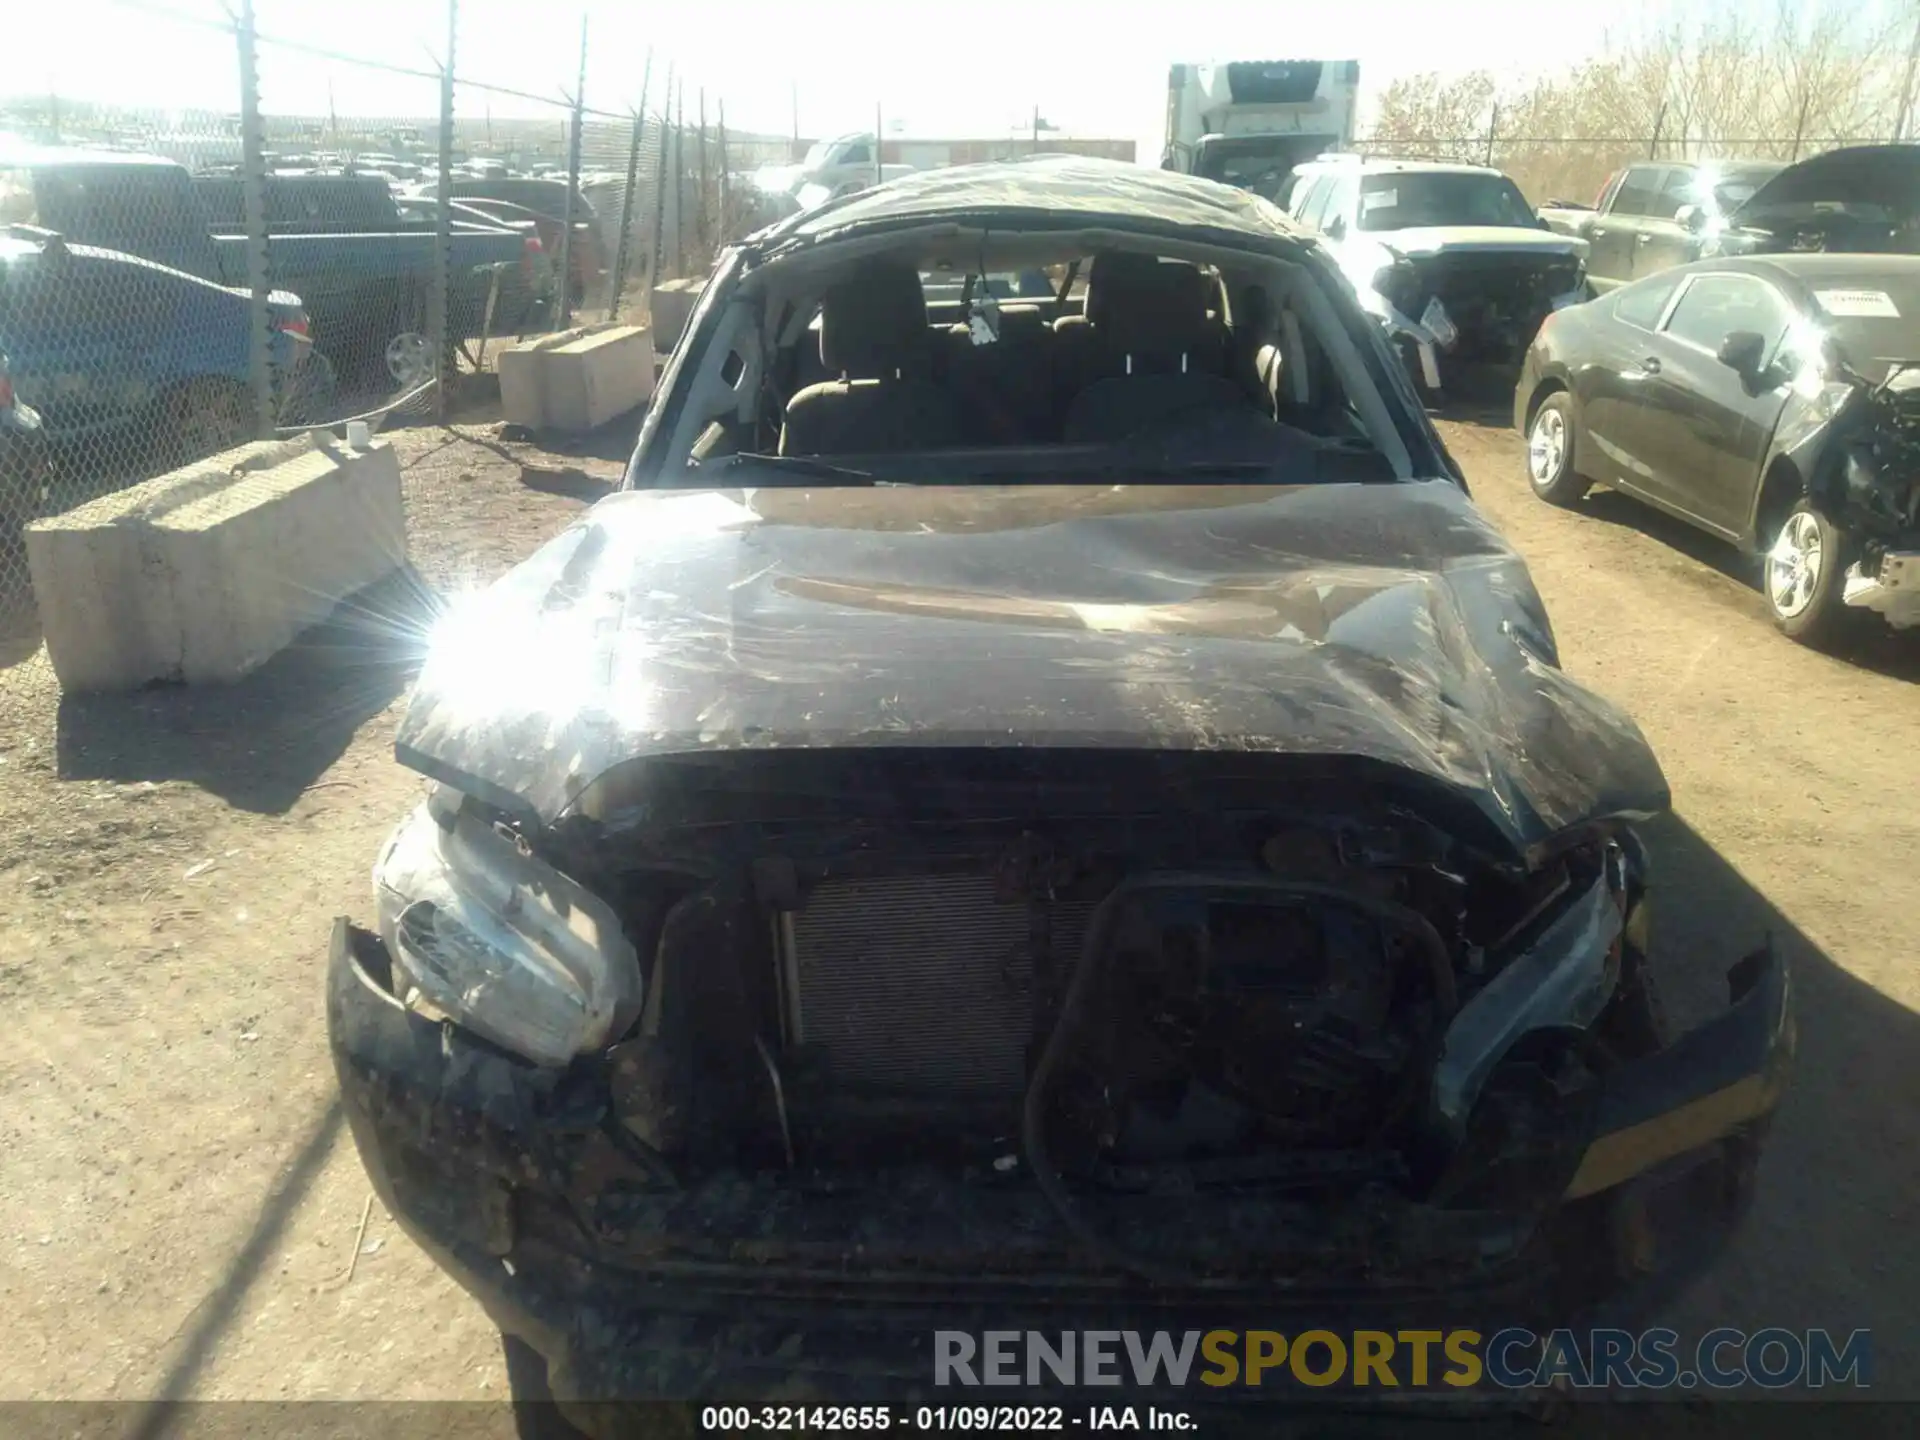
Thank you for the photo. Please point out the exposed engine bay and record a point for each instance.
(1870, 484)
(1216, 980)
(1493, 302)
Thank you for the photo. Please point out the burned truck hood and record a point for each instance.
(1386, 621)
(1880, 176)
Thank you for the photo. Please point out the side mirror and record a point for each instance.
(1742, 352)
(1691, 218)
(1337, 228)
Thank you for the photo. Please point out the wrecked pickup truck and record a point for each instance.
(912, 860)
(1448, 258)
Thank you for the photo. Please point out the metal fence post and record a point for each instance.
(726, 188)
(441, 282)
(703, 230)
(680, 181)
(658, 236)
(563, 312)
(253, 185)
(630, 200)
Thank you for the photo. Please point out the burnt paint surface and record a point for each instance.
(1389, 622)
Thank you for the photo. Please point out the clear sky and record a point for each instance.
(973, 68)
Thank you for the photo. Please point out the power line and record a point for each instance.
(340, 57)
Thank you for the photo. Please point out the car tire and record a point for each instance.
(1803, 576)
(536, 1415)
(1550, 454)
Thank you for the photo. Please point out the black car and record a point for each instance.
(1773, 402)
(23, 461)
(924, 856)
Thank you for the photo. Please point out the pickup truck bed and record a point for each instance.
(365, 288)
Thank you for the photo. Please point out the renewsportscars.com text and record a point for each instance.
(1512, 1359)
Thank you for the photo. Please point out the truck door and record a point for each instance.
(1616, 231)
(1663, 242)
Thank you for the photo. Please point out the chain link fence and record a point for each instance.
(1550, 169)
(174, 283)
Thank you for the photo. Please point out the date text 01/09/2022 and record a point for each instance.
(988, 1418)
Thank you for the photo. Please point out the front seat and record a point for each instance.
(1158, 346)
(874, 336)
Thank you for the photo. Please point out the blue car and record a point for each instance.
(134, 367)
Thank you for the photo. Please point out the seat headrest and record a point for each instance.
(874, 323)
(1021, 322)
(1146, 306)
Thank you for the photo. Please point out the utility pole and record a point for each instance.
(1036, 129)
(876, 142)
(1906, 90)
(702, 229)
(563, 304)
(796, 122)
(437, 296)
(726, 206)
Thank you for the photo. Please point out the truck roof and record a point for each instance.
(1372, 166)
(18, 154)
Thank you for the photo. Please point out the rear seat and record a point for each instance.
(1148, 350)
(874, 335)
(1005, 388)
(1087, 351)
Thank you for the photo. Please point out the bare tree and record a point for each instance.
(1802, 79)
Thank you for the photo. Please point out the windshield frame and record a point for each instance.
(754, 283)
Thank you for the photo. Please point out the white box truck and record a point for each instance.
(1247, 123)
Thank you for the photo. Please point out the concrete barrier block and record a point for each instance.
(669, 308)
(203, 574)
(576, 380)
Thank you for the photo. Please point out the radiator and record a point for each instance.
(922, 985)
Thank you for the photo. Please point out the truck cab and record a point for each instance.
(1248, 123)
(1654, 215)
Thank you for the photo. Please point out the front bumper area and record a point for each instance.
(503, 1172)
(1435, 333)
(1893, 591)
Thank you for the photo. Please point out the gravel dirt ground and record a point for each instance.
(179, 1199)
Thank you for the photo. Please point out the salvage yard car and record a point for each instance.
(1771, 401)
(1450, 259)
(1859, 199)
(134, 368)
(917, 859)
(1657, 214)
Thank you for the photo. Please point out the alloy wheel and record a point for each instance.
(1794, 565)
(1547, 446)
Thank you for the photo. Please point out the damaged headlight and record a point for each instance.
(500, 941)
(1395, 282)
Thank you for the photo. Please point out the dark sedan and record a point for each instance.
(1773, 402)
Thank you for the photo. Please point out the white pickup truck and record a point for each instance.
(831, 168)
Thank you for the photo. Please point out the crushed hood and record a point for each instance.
(1385, 621)
(1886, 175)
(1448, 239)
